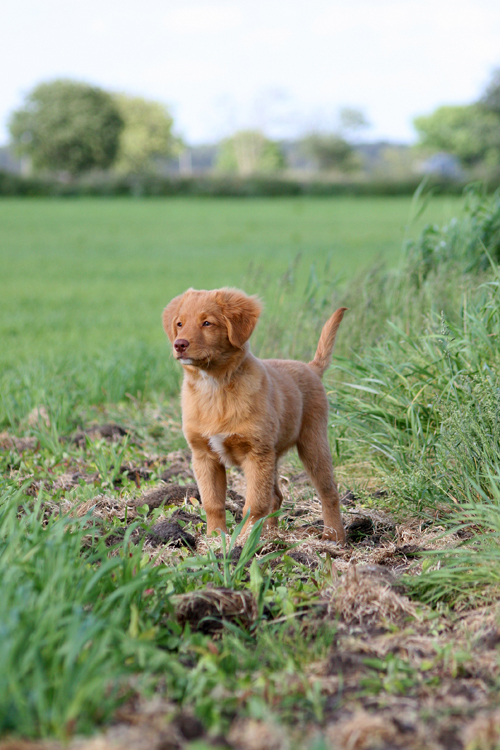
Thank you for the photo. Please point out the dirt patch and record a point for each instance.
(207, 609)
(170, 532)
(110, 431)
(177, 470)
(169, 494)
(359, 528)
(10, 442)
(367, 595)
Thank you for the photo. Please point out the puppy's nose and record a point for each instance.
(180, 345)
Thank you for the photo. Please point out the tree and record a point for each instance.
(330, 152)
(67, 126)
(491, 97)
(248, 152)
(352, 121)
(472, 133)
(147, 133)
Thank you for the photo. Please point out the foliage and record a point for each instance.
(151, 184)
(469, 244)
(86, 623)
(249, 152)
(467, 573)
(472, 133)
(443, 328)
(330, 152)
(67, 126)
(352, 120)
(491, 97)
(147, 133)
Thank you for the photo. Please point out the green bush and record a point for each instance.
(152, 184)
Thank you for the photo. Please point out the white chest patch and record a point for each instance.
(217, 445)
(207, 385)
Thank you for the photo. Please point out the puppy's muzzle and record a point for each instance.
(180, 345)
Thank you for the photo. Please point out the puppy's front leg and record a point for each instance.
(260, 473)
(211, 478)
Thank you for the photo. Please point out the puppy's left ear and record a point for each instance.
(240, 312)
(169, 314)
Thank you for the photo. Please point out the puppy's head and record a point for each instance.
(207, 328)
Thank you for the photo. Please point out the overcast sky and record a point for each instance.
(283, 65)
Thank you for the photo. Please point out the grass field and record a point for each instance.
(118, 616)
(94, 274)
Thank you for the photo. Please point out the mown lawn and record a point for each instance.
(91, 274)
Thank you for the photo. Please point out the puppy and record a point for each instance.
(237, 409)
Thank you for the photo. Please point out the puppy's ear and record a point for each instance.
(169, 314)
(240, 313)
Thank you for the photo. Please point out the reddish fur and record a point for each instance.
(326, 342)
(243, 410)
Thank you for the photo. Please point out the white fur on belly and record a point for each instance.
(217, 445)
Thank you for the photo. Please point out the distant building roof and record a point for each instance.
(9, 162)
(441, 164)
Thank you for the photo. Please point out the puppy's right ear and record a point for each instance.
(169, 314)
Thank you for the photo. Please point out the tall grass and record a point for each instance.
(420, 398)
(415, 387)
(395, 392)
(67, 384)
(75, 623)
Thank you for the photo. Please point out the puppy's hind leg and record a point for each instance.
(314, 452)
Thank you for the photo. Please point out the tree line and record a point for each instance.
(470, 132)
(73, 127)
(70, 127)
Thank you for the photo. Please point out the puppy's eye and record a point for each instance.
(179, 324)
(207, 323)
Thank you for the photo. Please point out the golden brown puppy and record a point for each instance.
(237, 409)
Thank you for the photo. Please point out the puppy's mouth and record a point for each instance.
(184, 360)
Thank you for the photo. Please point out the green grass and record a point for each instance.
(91, 274)
(415, 399)
(84, 282)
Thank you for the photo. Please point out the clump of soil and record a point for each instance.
(367, 595)
(11, 442)
(168, 494)
(207, 609)
(170, 532)
(111, 432)
(179, 470)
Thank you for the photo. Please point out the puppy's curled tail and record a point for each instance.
(326, 341)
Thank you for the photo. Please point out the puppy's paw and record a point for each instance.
(331, 535)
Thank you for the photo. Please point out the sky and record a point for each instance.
(285, 66)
